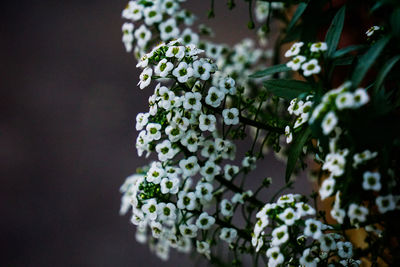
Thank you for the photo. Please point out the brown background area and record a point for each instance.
(68, 106)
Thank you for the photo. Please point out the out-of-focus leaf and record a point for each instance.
(343, 61)
(295, 151)
(366, 60)
(346, 50)
(270, 70)
(299, 11)
(334, 32)
(287, 89)
(395, 21)
(385, 70)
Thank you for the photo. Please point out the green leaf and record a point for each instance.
(366, 60)
(346, 50)
(343, 61)
(299, 11)
(385, 70)
(295, 151)
(395, 21)
(335, 30)
(288, 89)
(270, 70)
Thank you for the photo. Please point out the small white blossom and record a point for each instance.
(361, 97)
(357, 213)
(145, 78)
(228, 234)
(207, 122)
(231, 116)
(329, 122)
(168, 29)
(230, 171)
(203, 248)
(344, 100)
(205, 221)
(345, 249)
(166, 211)
(313, 228)
(186, 200)
(170, 185)
(142, 35)
(188, 230)
(176, 51)
(210, 170)
(150, 209)
(294, 50)
(275, 257)
(310, 67)
(372, 30)
(327, 188)
(153, 131)
(183, 72)
(214, 97)
(189, 166)
(226, 208)
(152, 15)
(296, 62)
(163, 68)
(308, 260)
(371, 181)
(318, 47)
(189, 37)
(280, 235)
(192, 101)
(227, 85)
(385, 203)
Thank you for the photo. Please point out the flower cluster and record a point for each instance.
(296, 237)
(305, 58)
(151, 21)
(181, 128)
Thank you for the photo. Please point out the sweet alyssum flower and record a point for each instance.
(183, 72)
(318, 47)
(280, 235)
(329, 122)
(275, 256)
(294, 50)
(163, 68)
(296, 62)
(142, 35)
(357, 213)
(205, 221)
(310, 67)
(145, 78)
(214, 97)
(313, 228)
(371, 181)
(228, 234)
(372, 30)
(231, 116)
(168, 29)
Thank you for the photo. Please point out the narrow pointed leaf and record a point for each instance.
(295, 151)
(385, 70)
(366, 60)
(299, 11)
(270, 71)
(335, 31)
(287, 89)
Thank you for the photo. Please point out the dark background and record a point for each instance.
(68, 106)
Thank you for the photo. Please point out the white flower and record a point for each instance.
(170, 185)
(228, 234)
(176, 51)
(279, 235)
(230, 171)
(203, 248)
(311, 67)
(209, 151)
(207, 122)
(338, 214)
(191, 141)
(214, 97)
(301, 120)
(329, 122)
(371, 181)
(345, 249)
(313, 228)
(363, 157)
(372, 30)
(344, 100)
(150, 209)
(327, 188)
(357, 213)
(249, 162)
(163, 68)
(170, 6)
(288, 134)
(210, 170)
(296, 62)
(308, 260)
(145, 78)
(133, 11)
(183, 72)
(304, 209)
(275, 257)
(385, 203)
(153, 131)
(204, 192)
(192, 101)
(141, 120)
(202, 69)
(189, 166)
(186, 200)
(168, 29)
(166, 212)
(360, 97)
(327, 243)
(317, 47)
(227, 85)
(226, 208)
(205, 221)
(156, 229)
(289, 216)
(294, 50)
(189, 37)
(142, 35)
(165, 151)
(152, 15)
(174, 132)
(231, 116)
(188, 230)
(155, 173)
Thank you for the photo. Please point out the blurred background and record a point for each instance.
(68, 106)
